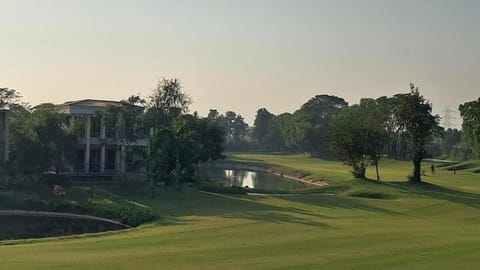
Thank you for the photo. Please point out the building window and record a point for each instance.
(110, 160)
(95, 127)
(79, 165)
(94, 160)
(109, 130)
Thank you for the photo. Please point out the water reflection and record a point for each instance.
(241, 178)
(18, 227)
(250, 179)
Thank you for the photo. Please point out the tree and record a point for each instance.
(375, 125)
(470, 112)
(43, 140)
(451, 138)
(177, 141)
(273, 138)
(8, 97)
(414, 115)
(317, 112)
(261, 126)
(357, 135)
(167, 102)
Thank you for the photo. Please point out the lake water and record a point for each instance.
(19, 227)
(250, 179)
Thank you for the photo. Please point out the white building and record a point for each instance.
(101, 150)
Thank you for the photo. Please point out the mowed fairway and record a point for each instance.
(429, 226)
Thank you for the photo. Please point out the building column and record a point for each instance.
(122, 161)
(103, 142)
(71, 124)
(6, 136)
(117, 159)
(87, 145)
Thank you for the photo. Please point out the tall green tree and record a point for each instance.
(166, 102)
(451, 138)
(470, 112)
(8, 97)
(376, 124)
(317, 112)
(358, 134)
(44, 140)
(177, 141)
(180, 148)
(414, 115)
(261, 126)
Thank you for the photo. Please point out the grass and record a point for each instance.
(367, 225)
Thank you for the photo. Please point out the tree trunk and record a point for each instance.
(376, 169)
(151, 178)
(359, 170)
(417, 167)
(178, 184)
(152, 186)
(198, 172)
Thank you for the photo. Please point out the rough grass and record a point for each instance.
(433, 225)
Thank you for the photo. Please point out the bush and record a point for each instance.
(216, 188)
(34, 203)
(134, 215)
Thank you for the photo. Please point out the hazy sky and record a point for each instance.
(241, 55)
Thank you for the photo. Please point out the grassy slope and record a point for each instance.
(431, 226)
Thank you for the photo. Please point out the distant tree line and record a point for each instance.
(400, 127)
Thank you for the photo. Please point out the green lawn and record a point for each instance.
(429, 226)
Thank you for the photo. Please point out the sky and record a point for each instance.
(241, 55)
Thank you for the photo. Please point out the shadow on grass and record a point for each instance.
(177, 208)
(439, 192)
(343, 202)
(277, 217)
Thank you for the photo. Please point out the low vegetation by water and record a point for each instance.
(393, 224)
(78, 200)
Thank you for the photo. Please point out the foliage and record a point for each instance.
(236, 131)
(135, 215)
(42, 139)
(262, 126)
(177, 141)
(8, 97)
(470, 112)
(187, 141)
(358, 134)
(166, 102)
(77, 202)
(126, 118)
(216, 188)
(417, 123)
(317, 112)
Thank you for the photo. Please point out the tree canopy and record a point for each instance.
(358, 134)
(470, 112)
(418, 125)
(43, 140)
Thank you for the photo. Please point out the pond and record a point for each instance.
(23, 227)
(250, 179)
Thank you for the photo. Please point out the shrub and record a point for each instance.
(134, 215)
(216, 188)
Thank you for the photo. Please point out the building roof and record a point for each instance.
(87, 106)
(91, 103)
